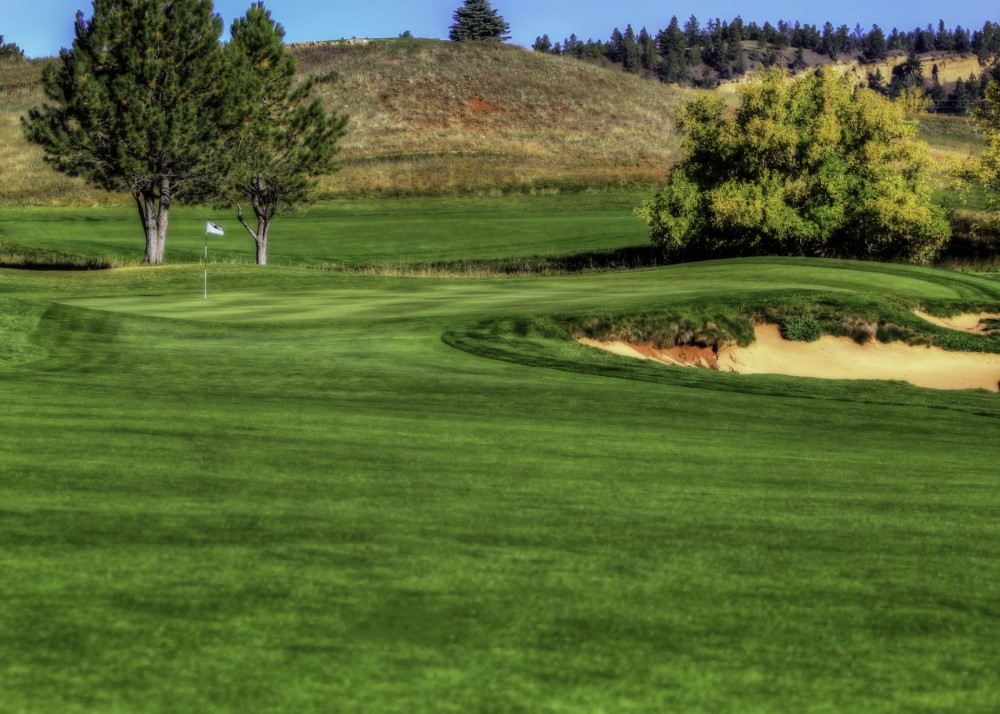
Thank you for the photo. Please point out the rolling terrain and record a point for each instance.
(382, 475)
(419, 494)
(440, 118)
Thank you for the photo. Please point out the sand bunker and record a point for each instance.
(832, 358)
(969, 322)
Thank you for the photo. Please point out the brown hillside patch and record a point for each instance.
(480, 107)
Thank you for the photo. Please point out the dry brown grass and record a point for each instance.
(25, 178)
(441, 117)
(433, 117)
(430, 117)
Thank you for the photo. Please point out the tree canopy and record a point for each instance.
(137, 105)
(148, 101)
(284, 139)
(477, 20)
(10, 50)
(987, 116)
(812, 167)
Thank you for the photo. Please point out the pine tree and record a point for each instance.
(542, 44)
(283, 140)
(136, 105)
(477, 20)
(10, 51)
(873, 45)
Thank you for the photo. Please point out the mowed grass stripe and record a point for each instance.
(434, 525)
(295, 496)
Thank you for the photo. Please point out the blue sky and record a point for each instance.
(41, 27)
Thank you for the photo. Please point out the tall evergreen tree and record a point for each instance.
(284, 139)
(873, 45)
(477, 20)
(136, 105)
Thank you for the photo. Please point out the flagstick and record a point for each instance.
(206, 262)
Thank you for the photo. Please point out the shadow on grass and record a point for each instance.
(620, 259)
(55, 266)
(16, 258)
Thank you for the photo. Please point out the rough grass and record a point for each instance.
(431, 117)
(801, 316)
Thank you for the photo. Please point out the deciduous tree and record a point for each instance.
(987, 116)
(811, 167)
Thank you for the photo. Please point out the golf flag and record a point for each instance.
(213, 229)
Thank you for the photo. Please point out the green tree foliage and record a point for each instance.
(987, 115)
(284, 140)
(874, 46)
(542, 44)
(477, 20)
(10, 51)
(136, 105)
(809, 167)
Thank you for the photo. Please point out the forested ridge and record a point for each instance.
(702, 55)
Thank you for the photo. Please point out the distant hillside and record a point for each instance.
(432, 117)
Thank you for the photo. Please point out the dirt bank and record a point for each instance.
(832, 358)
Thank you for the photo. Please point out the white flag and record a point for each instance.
(213, 229)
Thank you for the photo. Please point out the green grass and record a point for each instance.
(298, 495)
(400, 233)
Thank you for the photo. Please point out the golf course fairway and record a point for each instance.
(322, 491)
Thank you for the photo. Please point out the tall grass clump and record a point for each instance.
(801, 328)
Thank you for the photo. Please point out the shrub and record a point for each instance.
(801, 328)
(810, 167)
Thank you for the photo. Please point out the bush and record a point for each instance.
(811, 167)
(801, 328)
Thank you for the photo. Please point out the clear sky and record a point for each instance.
(41, 27)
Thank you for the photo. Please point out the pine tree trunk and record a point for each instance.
(263, 223)
(261, 240)
(154, 208)
(260, 235)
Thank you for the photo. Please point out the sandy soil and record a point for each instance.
(969, 322)
(833, 358)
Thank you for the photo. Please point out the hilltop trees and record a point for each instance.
(808, 167)
(137, 105)
(9, 50)
(283, 139)
(477, 20)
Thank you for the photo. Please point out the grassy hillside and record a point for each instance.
(433, 117)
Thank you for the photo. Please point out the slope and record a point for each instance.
(430, 117)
